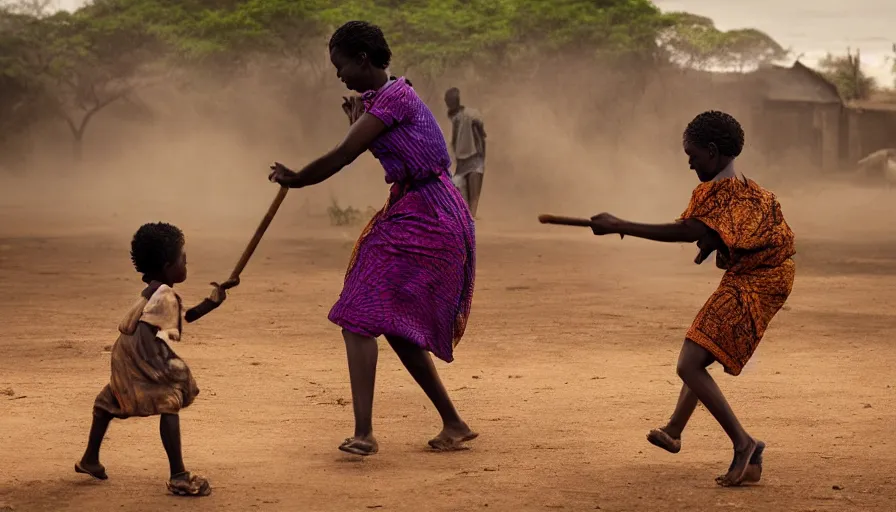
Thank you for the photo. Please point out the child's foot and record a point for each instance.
(188, 484)
(452, 438)
(660, 438)
(754, 469)
(362, 446)
(96, 470)
(739, 465)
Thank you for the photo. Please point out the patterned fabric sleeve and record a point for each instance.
(711, 205)
(390, 106)
(163, 312)
(748, 219)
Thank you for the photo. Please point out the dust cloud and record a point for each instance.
(586, 332)
(198, 156)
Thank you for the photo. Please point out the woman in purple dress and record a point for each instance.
(410, 278)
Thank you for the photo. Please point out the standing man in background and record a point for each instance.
(468, 144)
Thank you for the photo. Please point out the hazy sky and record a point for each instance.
(809, 27)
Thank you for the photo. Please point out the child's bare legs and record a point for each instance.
(90, 462)
(669, 436)
(362, 358)
(169, 429)
(181, 482)
(687, 402)
(692, 363)
(419, 364)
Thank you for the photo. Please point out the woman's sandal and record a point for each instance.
(451, 444)
(661, 439)
(360, 447)
(188, 484)
(98, 472)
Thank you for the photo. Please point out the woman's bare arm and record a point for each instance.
(358, 140)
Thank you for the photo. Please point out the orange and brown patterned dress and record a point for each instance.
(758, 261)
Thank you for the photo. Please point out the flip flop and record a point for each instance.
(99, 473)
(661, 439)
(359, 447)
(451, 444)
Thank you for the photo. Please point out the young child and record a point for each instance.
(148, 378)
(742, 222)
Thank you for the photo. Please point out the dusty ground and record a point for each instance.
(568, 362)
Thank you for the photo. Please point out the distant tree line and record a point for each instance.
(70, 66)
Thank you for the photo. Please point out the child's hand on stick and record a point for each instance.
(219, 291)
(605, 224)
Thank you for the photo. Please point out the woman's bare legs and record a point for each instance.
(362, 355)
(419, 364)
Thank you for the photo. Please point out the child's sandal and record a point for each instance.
(188, 484)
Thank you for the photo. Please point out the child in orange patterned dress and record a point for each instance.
(742, 222)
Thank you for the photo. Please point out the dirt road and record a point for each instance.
(568, 362)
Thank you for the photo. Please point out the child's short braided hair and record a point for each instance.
(154, 246)
(719, 128)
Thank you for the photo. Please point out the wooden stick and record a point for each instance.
(564, 221)
(568, 221)
(203, 308)
(256, 238)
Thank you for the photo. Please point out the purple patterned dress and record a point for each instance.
(411, 273)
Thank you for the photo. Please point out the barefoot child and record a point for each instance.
(148, 378)
(742, 222)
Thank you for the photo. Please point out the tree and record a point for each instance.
(32, 8)
(432, 38)
(601, 28)
(95, 61)
(693, 41)
(749, 48)
(893, 65)
(845, 72)
(77, 64)
(73, 65)
(22, 99)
